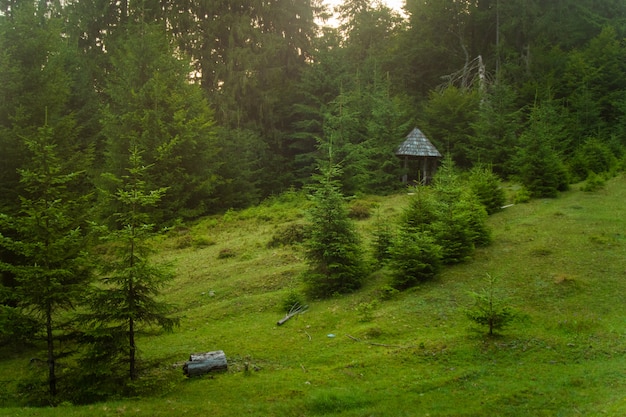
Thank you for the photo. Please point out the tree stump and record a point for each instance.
(203, 363)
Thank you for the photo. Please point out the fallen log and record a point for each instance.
(203, 363)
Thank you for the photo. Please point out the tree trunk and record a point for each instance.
(52, 379)
(202, 363)
(132, 349)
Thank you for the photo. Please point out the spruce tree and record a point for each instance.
(47, 240)
(333, 249)
(451, 228)
(422, 210)
(490, 308)
(540, 167)
(494, 137)
(486, 185)
(150, 102)
(414, 257)
(128, 296)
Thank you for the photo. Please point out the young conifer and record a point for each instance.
(131, 281)
(333, 249)
(490, 308)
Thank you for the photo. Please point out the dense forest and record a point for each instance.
(119, 115)
(230, 102)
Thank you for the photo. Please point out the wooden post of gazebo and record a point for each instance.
(417, 147)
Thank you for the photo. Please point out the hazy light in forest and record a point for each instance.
(392, 4)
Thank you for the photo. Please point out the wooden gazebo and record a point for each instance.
(420, 158)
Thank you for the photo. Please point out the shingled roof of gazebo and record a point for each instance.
(417, 144)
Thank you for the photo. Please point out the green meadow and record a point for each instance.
(560, 263)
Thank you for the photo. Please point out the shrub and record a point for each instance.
(288, 235)
(486, 185)
(415, 257)
(202, 241)
(592, 157)
(293, 298)
(183, 241)
(365, 310)
(359, 211)
(522, 196)
(594, 182)
(386, 292)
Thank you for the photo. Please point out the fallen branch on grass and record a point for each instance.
(296, 309)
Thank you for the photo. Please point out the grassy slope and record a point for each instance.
(561, 262)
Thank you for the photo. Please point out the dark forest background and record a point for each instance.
(229, 102)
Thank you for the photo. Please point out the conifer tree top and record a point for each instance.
(417, 144)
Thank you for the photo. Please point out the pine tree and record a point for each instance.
(540, 168)
(333, 249)
(415, 257)
(151, 104)
(34, 78)
(131, 281)
(490, 308)
(460, 223)
(47, 240)
(486, 185)
(447, 119)
(494, 131)
(421, 212)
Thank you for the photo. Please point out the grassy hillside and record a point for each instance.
(561, 263)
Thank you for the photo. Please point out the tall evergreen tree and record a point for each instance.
(333, 249)
(248, 57)
(34, 79)
(320, 84)
(594, 81)
(540, 167)
(131, 281)
(452, 228)
(364, 126)
(151, 104)
(447, 120)
(47, 240)
(436, 43)
(345, 132)
(495, 129)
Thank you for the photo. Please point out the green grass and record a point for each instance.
(561, 263)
